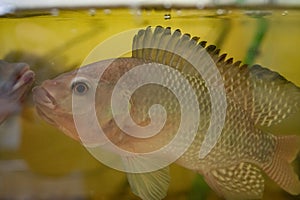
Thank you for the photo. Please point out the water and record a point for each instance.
(38, 162)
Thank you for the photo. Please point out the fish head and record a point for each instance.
(15, 81)
(79, 103)
(74, 97)
(53, 102)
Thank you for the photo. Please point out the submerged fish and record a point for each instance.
(15, 81)
(255, 96)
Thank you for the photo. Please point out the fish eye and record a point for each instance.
(80, 87)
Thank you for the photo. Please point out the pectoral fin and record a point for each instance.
(151, 185)
(239, 182)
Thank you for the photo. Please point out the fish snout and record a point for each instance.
(42, 97)
(52, 85)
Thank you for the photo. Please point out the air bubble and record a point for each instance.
(54, 12)
(148, 12)
(167, 16)
(167, 5)
(179, 12)
(284, 13)
(200, 5)
(136, 11)
(92, 12)
(107, 11)
(221, 12)
(74, 30)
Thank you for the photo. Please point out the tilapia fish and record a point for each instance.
(255, 98)
(15, 81)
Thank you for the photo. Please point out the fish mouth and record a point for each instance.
(43, 98)
(43, 115)
(44, 102)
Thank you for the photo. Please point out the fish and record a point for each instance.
(15, 82)
(235, 165)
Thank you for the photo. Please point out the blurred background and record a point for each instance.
(39, 162)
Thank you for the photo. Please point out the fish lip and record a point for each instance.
(43, 98)
(44, 116)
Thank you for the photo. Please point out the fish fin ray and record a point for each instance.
(275, 98)
(238, 182)
(151, 185)
(145, 183)
(279, 169)
(252, 89)
(172, 49)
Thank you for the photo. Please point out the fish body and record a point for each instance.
(15, 81)
(234, 166)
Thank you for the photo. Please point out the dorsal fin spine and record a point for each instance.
(171, 45)
(222, 58)
(229, 61)
(211, 48)
(156, 41)
(202, 43)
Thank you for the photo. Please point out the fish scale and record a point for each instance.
(243, 99)
(252, 145)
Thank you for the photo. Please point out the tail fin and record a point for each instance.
(279, 169)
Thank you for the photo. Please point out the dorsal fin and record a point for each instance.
(246, 87)
(170, 49)
(162, 46)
